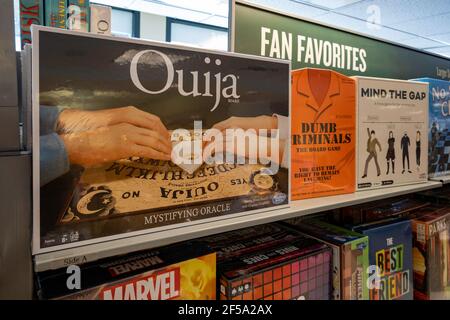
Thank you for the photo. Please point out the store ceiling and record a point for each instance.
(417, 23)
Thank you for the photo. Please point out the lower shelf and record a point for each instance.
(92, 252)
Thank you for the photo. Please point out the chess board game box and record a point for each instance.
(392, 138)
(431, 253)
(438, 127)
(298, 270)
(179, 272)
(378, 210)
(241, 242)
(108, 115)
(350, 255)
(323, 133)
(439, 196)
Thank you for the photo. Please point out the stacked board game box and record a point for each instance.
(297, 270)
(379, 210)
(390, 259)
(350, 256)
(431, 253)
(438, 127)
(100, 19)
(323, 133)
(77, 15)
(79, 10)
(439, 196)
(63, 14)
(238, 243)
(179, 272)
(392, 139)
(56, 13)
(31, 12)
(390, 273)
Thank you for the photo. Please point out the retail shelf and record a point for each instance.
(92, 252)
(443, 179)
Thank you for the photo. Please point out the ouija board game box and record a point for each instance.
(350, 256)
(438, 127)
(178, 272)
(323, 126)
(431, 253)
(298, 270)
(111, 116)
(392, 147)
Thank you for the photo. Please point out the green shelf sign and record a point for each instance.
(258, 31)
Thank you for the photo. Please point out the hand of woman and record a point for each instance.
(119, 141)
(75, 120)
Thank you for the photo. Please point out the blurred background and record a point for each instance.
(204, 23)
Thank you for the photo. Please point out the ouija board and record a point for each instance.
(137, 185)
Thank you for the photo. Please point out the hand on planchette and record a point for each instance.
(96, 137)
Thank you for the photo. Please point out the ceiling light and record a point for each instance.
(327, 4)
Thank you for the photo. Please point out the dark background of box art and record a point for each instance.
(97, 71)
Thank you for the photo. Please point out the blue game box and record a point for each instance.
(438, 128)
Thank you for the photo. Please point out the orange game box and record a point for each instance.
(323, 133)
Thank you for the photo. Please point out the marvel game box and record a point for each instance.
(392, 145)
(178, 272)
(132, 136)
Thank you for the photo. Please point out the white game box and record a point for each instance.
(392, 143)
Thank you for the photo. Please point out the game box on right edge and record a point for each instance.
(438, 127)
(431, 253)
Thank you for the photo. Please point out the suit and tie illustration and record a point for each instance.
(404, 145)
(323, 97)
(372, 144)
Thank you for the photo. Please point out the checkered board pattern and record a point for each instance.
(307, 278)
(438, 156)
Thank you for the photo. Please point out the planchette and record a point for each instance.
(187, 151)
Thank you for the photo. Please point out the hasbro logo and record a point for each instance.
(278, 198)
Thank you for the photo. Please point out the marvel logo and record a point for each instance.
(163, 285)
